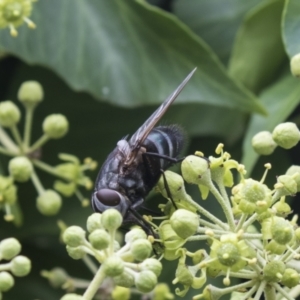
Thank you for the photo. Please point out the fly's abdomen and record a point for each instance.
(166, 141)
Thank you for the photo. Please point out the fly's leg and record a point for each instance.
(167, 188)
(166, 157)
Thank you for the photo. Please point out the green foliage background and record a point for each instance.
(107, 65)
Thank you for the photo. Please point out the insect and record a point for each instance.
(134, 167)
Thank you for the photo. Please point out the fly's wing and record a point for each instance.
(141, 134)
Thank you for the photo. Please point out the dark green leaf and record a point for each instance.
(126, 53)
(291, 27)
(258, 53)
(280, 100)
(216, 21)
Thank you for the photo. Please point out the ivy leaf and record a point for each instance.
(125, 52)
(291, 25)
(258, 53)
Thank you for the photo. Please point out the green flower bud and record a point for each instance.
(140, 249)
(286, 135)
(113, 266)
(195, 170)
(273, 271)
(286, 185)
(290, 278)
(30, 93)
(250, 194)
(6, 281)
(74, 236)
(151, 264)
(135, 233)
(162, 292)
(282, 209)
(57, 277)
(295, 65)
(275, 248)
(145, 281)
(55, 126)
(120, 293)
(263, 143)
(49, 203)
(20, 168)
(72, 296)
(99, 239)
(94, 222)
(185, 223)
(76, 252)
(9, 114)
(9, 248)
(20, 266)
(282, 231)
(8, 191)
(124, 280)
(228, 254)
(295, 170)
(183, 275)
(111, 219)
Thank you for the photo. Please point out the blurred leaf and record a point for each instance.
(280, 100)
(291, 27)
(258, 52)
(126, 53)
(216, 21)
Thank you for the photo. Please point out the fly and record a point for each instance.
(134, 167)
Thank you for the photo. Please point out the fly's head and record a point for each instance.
(104, 199)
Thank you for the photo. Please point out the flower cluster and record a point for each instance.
(13, 13)
(256, 243)
(127, 266)
(26, 155)
(18, 265)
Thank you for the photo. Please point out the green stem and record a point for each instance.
(16, 134)
(7, 141)
(241, 222)
(252, 236)
(282, 291)
(94, 285)
(205, 213)
(208, 224)
(260, 290)
(243, 275)
(90, 264)
(36, 182)
(28, 126)
(47, 168)
(7, 152)
(222, 202)
(269, 293)
(249, 221)
(39, 143)
(248, 294)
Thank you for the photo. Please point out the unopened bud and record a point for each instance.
(30, 93)
(49, 203)
(72, 296)
(9, 248)
(111, 219)
(273, 270)
(20, 168)
(295, 65)
(185, 223)
(113, 266)
(290, 278)
(292, 171)
(286, 135)
(145, 281)
(20, 266)
(6, 281)
(55, 126)
(263, 143)
(76, 252)
(141, 249)
(94, 222)
(152, 264)
(135, 233)
(9, 114)
(74, 236)
(99, 239)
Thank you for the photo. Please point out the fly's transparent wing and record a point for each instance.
(141, 134)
